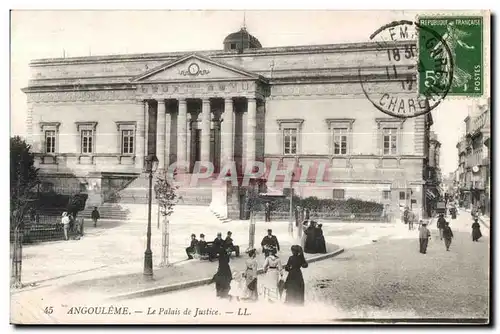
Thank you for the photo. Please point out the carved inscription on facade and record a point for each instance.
(97, 95)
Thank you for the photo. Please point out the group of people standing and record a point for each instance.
(313, 240)
(246, 285)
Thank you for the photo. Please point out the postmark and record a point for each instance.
(393, 87)
(464, 37)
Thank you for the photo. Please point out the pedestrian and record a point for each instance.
(294, 284)
(310, 246)
(448, 235)
(406, 217)
(320, 240)
(476, 230)
(298, 211)
(251, 292)
(191, 249)
(268, 212)
(202, 245)
(269, 242)
(237, 286)
(65, 221)
(273, 272)
(412, 219)
(217, 247)
(303, 237)
(307, 213)
(223, 276)
(440, 225)
(95, 216)
(424, 236)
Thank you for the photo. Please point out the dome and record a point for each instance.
(241, 40)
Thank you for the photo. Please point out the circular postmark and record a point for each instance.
(416, 74)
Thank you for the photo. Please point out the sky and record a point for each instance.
(45, 34)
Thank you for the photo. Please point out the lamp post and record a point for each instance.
(290, 224)
(150, 165)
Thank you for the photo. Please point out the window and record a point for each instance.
(402, 195)
(338, 193)
(390, 141)
(50, 141)
(49, 132)
(126, 137)
(386, 194)
(86, 144)
(340, 141)
(290, 134)
(290, 141)
(127, 141)
(87, 132)
(233, 46)
(389, 135)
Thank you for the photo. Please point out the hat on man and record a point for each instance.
(269, 230)
(202, 235)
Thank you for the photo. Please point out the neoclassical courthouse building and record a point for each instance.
(91, 120)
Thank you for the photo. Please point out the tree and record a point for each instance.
(23, 179)
(166, 196)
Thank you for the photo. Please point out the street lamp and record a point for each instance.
(290, 224)
(150, 166)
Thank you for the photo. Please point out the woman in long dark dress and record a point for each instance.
(223, 276)
(476, 230)
(310, 244)
(294, 284)
(320, 240)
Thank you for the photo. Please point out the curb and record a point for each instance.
(203, 281)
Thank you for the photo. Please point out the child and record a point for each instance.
(237, 286)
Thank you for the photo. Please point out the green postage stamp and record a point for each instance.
(461, 38)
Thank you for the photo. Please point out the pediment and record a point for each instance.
(194, 67)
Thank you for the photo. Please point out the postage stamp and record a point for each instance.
(464, 38)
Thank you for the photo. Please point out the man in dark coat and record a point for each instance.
(229, 245)
(95, 215)
(217, 246)
(310, 244)
(268, 212)
(447, 235)
(440, 225)
(192, 247)
(202, 245)
(269, 242)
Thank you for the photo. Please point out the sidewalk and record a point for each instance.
(485, 219)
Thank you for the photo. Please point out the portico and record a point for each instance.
(185, 130)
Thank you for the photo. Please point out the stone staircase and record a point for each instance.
(221, 218)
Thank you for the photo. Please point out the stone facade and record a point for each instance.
(228, 106)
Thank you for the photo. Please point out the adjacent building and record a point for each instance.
(92, 120)
(433, 175)
(474, 158)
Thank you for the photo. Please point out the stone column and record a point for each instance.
(227, 141)
(140, 134)
(182, 136)
(251, 131)
(160, 134)
(205, 131)
(146, 127)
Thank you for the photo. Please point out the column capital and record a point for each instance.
(160, 101)
(205, 100)
(228, 100)
(252, 99)
(182, 101)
